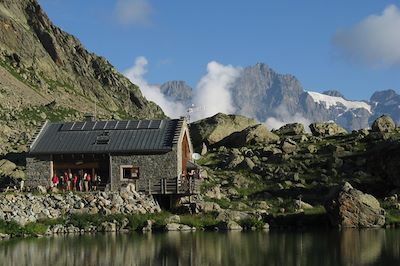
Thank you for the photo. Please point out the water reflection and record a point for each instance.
(347, 247)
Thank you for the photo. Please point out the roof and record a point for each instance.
(129, 136)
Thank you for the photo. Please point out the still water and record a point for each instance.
(346, 247)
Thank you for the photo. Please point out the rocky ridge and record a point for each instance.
(297, 173)
(46, 73)
(261, 93)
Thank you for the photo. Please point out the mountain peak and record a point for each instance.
(334, 93)
(385, 95)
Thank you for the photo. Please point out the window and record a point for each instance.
(103, 138)
(129, 172)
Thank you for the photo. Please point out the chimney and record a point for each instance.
(89, 117)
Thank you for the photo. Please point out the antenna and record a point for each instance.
(193, 109)
(95, 108)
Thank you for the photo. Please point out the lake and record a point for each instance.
(320, 247)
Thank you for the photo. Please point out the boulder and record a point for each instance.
(349, 207)
(249, 164)
(41, 189)
(291, 129)
(204, 149)
(302, 205)
(148, 226)
(230, 225)
(209, 206)
(257, 134)
(214, 192)
(234, 159)
(231, 215)
(172, 227)
(265, 227)
(288, 146)
(213, 129)
(173, 219)
(384, 124)
(7, 167)
(326, 129)
(240, 181)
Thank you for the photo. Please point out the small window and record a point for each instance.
(129, 172)
(103, 138)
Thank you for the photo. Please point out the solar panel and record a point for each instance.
(66, 126)
(155, 124)
(122, 124)
(111, 124)
(89, 125)
(144, 124)
(100, 125)
(78, 126)
(132, 124)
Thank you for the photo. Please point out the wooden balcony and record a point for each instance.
(170, 186)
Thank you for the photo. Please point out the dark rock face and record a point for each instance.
(259, 90)
(333, 93)
(178, 90)
(350, 207)
(54, 55)
(385, 102)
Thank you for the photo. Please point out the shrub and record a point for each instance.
(206, 221)
(251, 222)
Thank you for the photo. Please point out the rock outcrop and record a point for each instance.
(213, 129)
(291, 129)
(258, 134)
(383, 124)
(350, 207)
(46, 73)
(326, 129)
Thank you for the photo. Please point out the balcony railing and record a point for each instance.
(170, 186)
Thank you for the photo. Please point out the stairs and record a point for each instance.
(38, 130)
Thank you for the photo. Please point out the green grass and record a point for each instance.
(223, 203)
(14, 229)
(392, 216)
(206, 221)
(319, 209)
(33, 114)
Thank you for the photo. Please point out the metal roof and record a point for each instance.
(129, 136)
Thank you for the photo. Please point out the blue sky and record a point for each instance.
(325, 44)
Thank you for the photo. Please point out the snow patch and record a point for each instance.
(329, 101)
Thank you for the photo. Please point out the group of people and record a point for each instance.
(82, 181)
(188, 178)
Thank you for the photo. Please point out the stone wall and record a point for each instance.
(151, 166)
(38, 171)
(28, 207)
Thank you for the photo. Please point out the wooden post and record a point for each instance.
(149, 186)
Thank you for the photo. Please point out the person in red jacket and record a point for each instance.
(55, 180)
(75, 180)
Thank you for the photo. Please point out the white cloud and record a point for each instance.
(133, 12)
(283, 117)
(152, 92)
(212, 93)
(374, 41)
